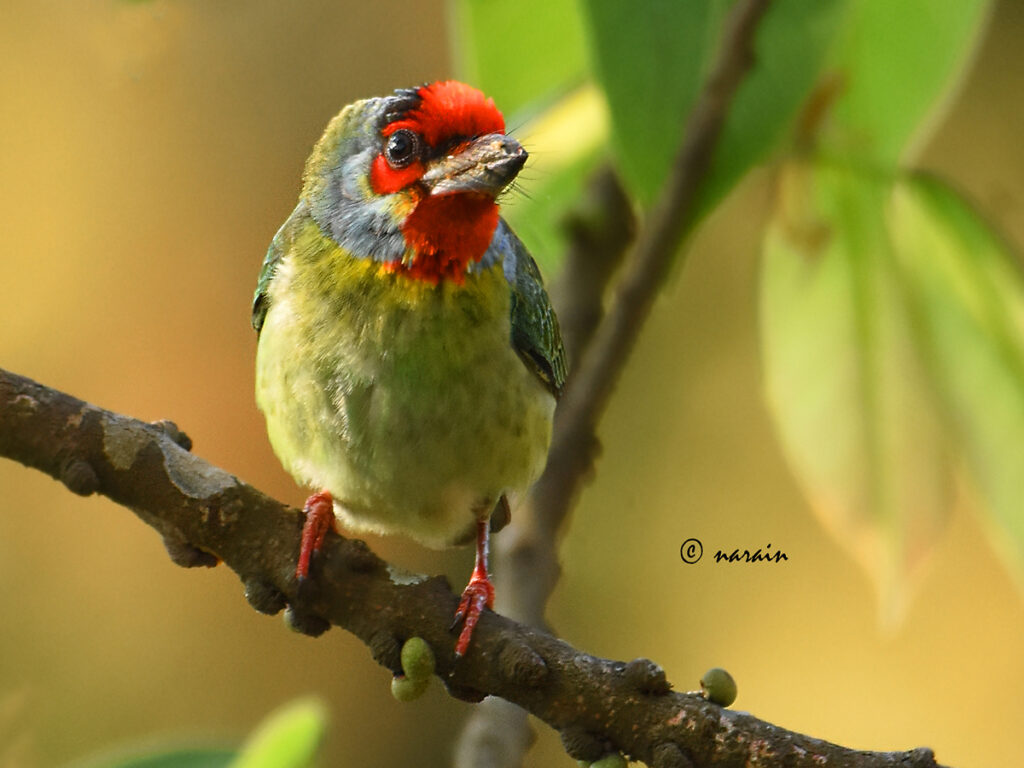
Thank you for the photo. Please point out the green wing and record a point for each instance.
(278, 248)
(535, 333)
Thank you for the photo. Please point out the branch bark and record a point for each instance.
(207, 515)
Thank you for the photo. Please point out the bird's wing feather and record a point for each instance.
(278, 248)
(535, 334)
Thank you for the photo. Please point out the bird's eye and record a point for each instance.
(402, 148)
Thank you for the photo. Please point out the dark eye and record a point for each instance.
(403, 147)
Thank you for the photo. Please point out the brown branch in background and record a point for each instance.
(660, 239)
(600, 227)
(497, 735)
(207, 515)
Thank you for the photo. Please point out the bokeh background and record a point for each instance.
(148, 152)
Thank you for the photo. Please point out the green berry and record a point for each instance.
(417, 659)
(611, 760)
(718, 687)
(405, 689)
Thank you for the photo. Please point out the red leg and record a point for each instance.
(319, 511)
(479, 593)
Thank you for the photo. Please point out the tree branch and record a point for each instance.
(206, 515)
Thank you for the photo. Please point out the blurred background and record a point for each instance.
(148, 153)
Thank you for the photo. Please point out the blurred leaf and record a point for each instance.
(287, 738)
(969, 291)
(845, 384)
(177, 758)
(518, 54)
(565, 143)
(537, 216)
(792, 47)
(653, 57)
(894, 62)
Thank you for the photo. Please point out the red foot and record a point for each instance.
(319, 511)
(477, 595)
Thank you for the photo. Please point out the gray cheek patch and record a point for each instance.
(358, 220)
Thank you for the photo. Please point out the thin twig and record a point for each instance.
(670, 221)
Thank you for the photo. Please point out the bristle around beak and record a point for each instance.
(486, 165)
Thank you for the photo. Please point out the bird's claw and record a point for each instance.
(478, 594)
(319, 511)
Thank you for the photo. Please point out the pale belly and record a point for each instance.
(416, 417)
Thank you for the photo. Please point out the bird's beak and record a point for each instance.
(485, 165)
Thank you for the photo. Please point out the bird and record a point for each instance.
(408, 358)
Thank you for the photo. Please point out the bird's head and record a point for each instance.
(411, 180)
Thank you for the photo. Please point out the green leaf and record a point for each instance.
(791, 49)
(652, 58)
(175, 758)
(969, 292)
(287, 738)
(520, 53)
(845, 383)
(894, 63)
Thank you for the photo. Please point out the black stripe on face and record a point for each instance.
(396, 107)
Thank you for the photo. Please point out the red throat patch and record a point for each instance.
(448, 233)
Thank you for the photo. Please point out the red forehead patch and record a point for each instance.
(449, 109)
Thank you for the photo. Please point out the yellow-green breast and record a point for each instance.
(405, 400)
